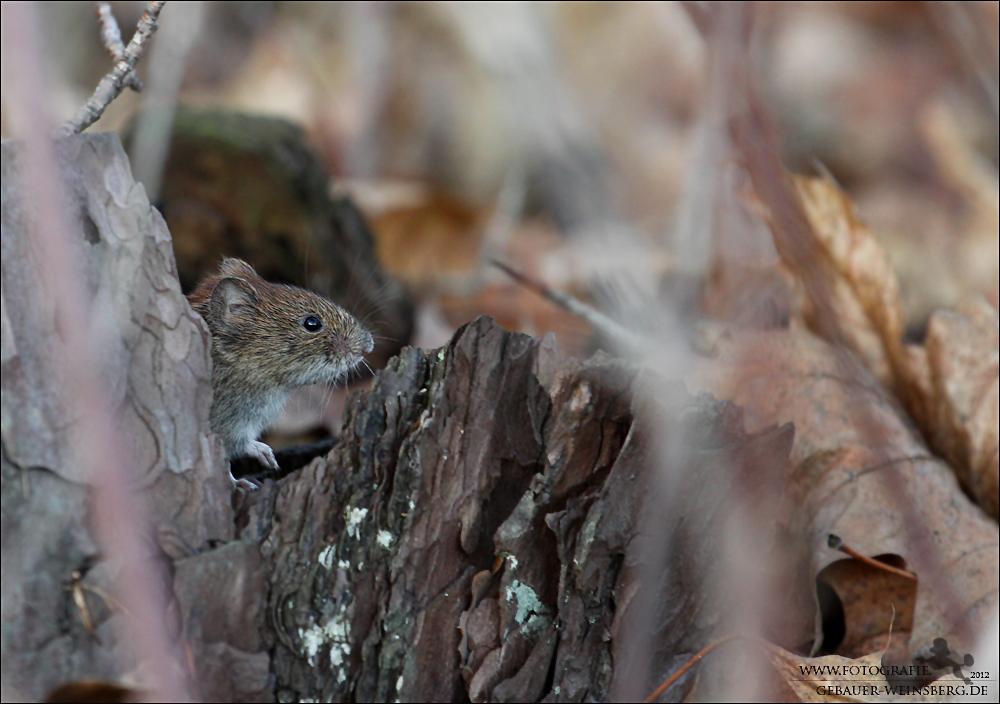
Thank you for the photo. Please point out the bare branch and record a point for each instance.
(112, 84)
(110, 34)
(112, 39)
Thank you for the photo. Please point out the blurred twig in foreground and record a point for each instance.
(119, 510)
(598, 320)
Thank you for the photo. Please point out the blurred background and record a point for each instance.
(526, 132)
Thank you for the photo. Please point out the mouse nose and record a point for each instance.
(367, 343)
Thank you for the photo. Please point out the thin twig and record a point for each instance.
(110, 34)
(112, 38)
(687, 666)
(836, 543)
(112, 84)
(598, 320)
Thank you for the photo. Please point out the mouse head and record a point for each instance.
(287, 335)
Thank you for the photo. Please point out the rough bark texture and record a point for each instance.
(159, 369)
(473, 534)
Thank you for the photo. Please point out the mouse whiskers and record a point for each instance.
(368, 367)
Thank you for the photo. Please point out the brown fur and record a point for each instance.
(261, 351)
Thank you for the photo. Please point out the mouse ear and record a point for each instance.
(232, 299)
(237, 267)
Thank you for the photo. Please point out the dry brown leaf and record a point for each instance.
(872, 598)
(949, 387)
(834, 678)
(421, 242)
(866, 293)
(962, 361)
(860, 471)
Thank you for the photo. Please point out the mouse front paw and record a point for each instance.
(263, 454)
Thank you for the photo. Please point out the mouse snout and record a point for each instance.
(359, 342)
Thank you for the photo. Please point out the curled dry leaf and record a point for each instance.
(861, 472)
(871, 598)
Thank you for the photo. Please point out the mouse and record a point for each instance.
(267, 340)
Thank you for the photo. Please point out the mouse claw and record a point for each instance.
(246, 484)
(263, 454)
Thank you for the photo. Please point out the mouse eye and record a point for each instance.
(312, 323)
